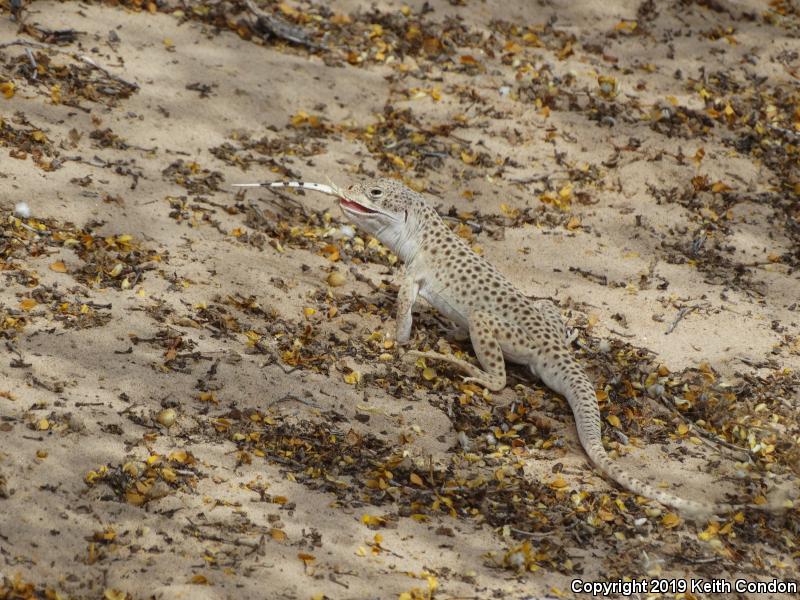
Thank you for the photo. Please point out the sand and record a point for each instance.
(211, 419)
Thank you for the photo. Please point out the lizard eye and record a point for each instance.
(376, 192)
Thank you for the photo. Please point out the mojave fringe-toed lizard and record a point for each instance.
(502, 323)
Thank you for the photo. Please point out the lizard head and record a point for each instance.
(379, 206)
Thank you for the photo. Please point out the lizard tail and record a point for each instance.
(575, 386)
(330, 190)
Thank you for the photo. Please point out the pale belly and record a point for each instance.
(446, 305)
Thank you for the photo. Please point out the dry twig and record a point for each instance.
(80, 57)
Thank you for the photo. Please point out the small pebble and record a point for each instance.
(159, 490)
(75, 423)
(22, 210)
(348, 231)
(516, 560)
(504, 90)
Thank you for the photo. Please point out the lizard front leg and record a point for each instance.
(409, 288)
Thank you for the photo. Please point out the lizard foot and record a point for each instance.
(476, 374)
(490, 383)
(460, 364)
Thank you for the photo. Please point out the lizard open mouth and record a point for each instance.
(355, 206)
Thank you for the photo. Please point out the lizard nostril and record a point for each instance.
(350, 189)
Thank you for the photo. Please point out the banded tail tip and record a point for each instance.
(330, 190)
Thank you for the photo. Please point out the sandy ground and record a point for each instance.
(189, 410)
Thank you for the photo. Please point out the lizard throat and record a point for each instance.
(355, 206)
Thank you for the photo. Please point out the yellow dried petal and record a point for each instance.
(352, 378)
(670, 520)
(167, 417)
(306, 558)
(27, 304)
(7, 88)
(336, 279)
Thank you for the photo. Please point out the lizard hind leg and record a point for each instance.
(474, 371)
(491, 337)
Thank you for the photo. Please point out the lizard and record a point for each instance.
(501, 322)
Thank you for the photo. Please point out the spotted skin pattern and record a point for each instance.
(501, 322)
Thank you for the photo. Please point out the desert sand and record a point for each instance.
(198, 397)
